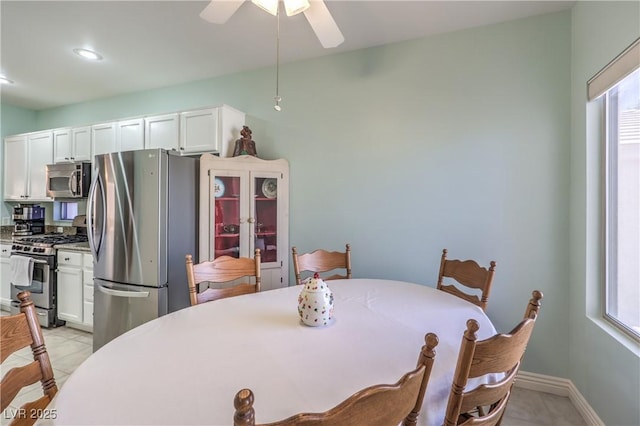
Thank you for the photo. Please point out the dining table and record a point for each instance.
(185, 368)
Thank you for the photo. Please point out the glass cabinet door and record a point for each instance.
(264, 215)
(226, 235)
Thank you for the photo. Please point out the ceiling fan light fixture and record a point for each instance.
(270, 6)
(293, 7)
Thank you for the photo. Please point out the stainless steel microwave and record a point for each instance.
(68, 180)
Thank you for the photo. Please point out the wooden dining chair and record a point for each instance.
(222, 270)
(469, 274)
(17, 332)
(500, 354)
(379, 405)
(322, 261)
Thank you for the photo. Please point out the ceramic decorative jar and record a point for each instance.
(315, 303)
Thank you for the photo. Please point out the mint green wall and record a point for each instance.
(605, 369)
(458, 141)
(13, 120)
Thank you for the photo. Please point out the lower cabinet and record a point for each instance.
(75, 285)
(5, 276)
(87, 289)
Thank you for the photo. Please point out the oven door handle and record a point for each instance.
(32, 259)
(120, 293)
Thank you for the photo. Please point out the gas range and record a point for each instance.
(44, 244)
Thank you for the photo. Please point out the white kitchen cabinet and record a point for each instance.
(210, 130)
(62, 145)
(5, 276)
(213, 129)
(161, 131)
(72, 144)
(15, 164)
(130, 134)
(70, 286)
(75, 288)
(103, 138)
(87, 292)
(244, 204)
(125, 135)
(25, 160)
(40, 154)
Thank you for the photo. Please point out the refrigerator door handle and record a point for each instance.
(120, 293)
(90, 222)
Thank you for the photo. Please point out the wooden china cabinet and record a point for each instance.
(244, 205)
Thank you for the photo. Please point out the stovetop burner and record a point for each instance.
(45, 244)
(49, 240)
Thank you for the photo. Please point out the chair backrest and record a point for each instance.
(467, 273)
(499, 354)
(222, 270)
(322, 261)
(17, 332)
(379, 405)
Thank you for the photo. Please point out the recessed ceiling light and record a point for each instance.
(5, 80)
(88, 54)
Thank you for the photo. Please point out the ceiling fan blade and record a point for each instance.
(323, 24)
(219, 11)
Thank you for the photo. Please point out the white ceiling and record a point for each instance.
(150, 44)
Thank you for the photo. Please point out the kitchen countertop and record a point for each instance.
(83, 247)
(5, 234)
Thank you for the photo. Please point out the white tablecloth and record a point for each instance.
(186, 367)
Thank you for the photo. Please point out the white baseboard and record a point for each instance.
(561, 387)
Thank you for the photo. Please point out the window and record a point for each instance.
(63, 210)
(622, 204)
(617, 87)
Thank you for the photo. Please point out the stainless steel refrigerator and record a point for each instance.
(142, 219)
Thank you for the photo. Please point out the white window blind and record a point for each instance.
(623, 65)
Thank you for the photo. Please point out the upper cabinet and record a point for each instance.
(161, 132)
(210, 130)
(25, 161)
(199, 130)
(103, 137)
(15, 180)
(195, 132)
(116, 136)
(130, 134)
(72, 144)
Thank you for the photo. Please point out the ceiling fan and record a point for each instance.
(316, 12)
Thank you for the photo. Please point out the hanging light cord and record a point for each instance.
(277, 97)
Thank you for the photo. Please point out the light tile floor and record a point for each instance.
(531, 408)
(69, 347)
